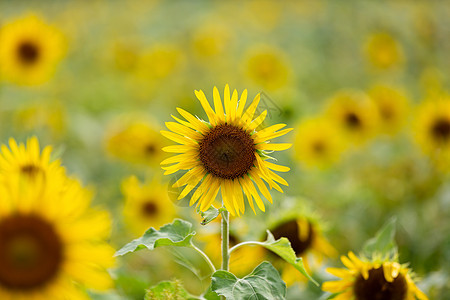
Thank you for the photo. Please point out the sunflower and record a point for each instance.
(354, 114)
(30, 49)
(318, 143)
(306, 238)
(27, 161)
(267, 67)
(159, 62)
(432, 129)
(383, 51)
(393, 108)
(226, 153)
(372, 279)
(146, 205)
(135, 140)
(51, 242)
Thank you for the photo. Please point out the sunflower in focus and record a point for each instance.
(30, 50)
(136, 141)
(393, 108)
(52, 244)
(146, 205)
(383, 51)
(227, 153)
(354, 114)
(27, 162)
(318, 143)
(306, 239)
(432, 129)
(267, 67)
(372, 279)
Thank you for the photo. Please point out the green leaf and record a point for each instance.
(282, 247)
(168, 290)
(178, 233)
(383, 242)
(264, 283)
(209, 215)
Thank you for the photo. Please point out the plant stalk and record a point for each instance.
(225, 232)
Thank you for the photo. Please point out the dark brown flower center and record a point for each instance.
(28, 53)
(31, 252)
(319, 147)
(291, 231)
(386, 113)
(149, 208)
(227, 151)
(441, 129)
(30, 170)
(150, 149)
(352, 120)
(377, 288)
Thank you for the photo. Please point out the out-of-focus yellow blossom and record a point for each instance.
(52, 244)
(306, 238)
(49, 115)
(393, 108)
(432, 82)
(159, 62)
(432, 130)
(383, 51)
(267, 67)
(146, 205)
(136, 141)
(262, 14)
(373, 279)
(211, 39)
(318, 143)
(354, 114)
(126, 55)
(30, 50)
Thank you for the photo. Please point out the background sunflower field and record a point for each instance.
(364, 84)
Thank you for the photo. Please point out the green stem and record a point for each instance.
(225, 232)
(203, 254)
(225, 240)
(243, 244)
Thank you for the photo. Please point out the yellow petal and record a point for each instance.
(256, 122)
(273, 147)
(248, 115)
(241, 105)
(177, 138)
(218, 105)
(196, 123)
(205, 104)
(181, 129)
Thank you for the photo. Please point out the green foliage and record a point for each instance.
(178, 233)
(168, 290)
(282, 247)
(384, 241)
(209, 215)
(264, 283)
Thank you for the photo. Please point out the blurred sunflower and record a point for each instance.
(30, 49)
(372, 279)
(393, 108)
(383, 51)
(159, 62)
(211, 39)
(432, 129)
(146, 205)
(228, 153)
(136, 141)
(318, 143)
(267, 67)
(51, 242)
(354, 114)
(27, 161)
(242, 261)
(306, 238)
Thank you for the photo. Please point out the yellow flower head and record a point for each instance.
(27, 162)
(136, 141)
(383, 51)
(51, 241)
(146, 205)
(30, 49)
(375, 279)
(229, 152)
(306, 238)
(393, 108)
(318, 143)
(432, 129)
(159, 62)
(354, 114)
(211, 39)
(267, 67)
